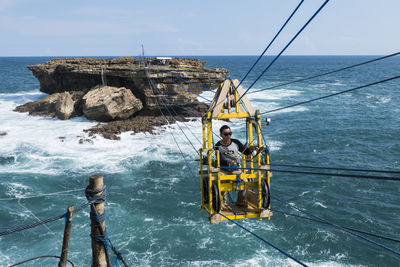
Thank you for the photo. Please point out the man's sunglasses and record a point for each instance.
(226, 134)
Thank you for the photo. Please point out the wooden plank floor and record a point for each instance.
(231, 209)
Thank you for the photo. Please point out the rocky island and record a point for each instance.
(120, 93)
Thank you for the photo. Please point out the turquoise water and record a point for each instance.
(153, 204)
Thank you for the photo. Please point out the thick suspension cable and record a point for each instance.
(265, 241)
(283, 50)
(152, 86)
(195, 113)
(166, 120)
(321, 220)
(326, 73)
(326, 96)
(375, 177)
(332, 168)
(40, 257)
(176, 114)
(268, 46)
(26, 227)
(338, 226)
(348, 228)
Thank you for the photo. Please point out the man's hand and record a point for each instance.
(232, 163)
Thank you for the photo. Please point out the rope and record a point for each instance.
(103, 237)
(89, 193)
(193, 112)
(326, 73)
(165, 118)
(339, 227)
(152, 86)
(331, 174)
(338, 93)
(25, 227)
(348, 228)
(36, 217)
(332, 168)
(276, 35)
(265, 241)
(98, 219)
(283, 50)
(345, 229)
(33, 225)
(43, 195)
(39, 257)
(176, 114)
(180, 150)
(324, 221)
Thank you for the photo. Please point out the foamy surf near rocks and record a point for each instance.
(65, 106)
(118, 91)
(61, 105)
(107, 103)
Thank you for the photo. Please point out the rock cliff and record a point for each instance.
(118, 90)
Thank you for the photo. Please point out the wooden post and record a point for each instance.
(99, 255)
(67, 233)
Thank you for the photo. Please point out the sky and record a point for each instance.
(218, 27)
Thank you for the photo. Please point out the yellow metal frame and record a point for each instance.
(213, 172)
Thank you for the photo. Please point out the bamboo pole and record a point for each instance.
(66, 238)
(99, 255)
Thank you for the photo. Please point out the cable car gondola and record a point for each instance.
(217, 181)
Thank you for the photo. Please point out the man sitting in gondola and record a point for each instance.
(230, 153)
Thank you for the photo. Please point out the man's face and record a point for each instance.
(226, 135)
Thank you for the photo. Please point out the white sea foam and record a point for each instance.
(17, 190)
(51, 146)
(320, 204)
(273, 94)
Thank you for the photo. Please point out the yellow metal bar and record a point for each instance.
(259, 145)
(241, 216)
(203, 122)
(250, 129)
(251, 204)
(201, 179)
(233, 177)
(234, 115)
(209, 132)
(232, 186)
(209, 157)
(236, 101)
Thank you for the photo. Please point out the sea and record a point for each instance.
(153, 213)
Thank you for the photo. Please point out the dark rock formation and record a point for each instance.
(107, 103)
(131, 104)
(77, 74)
(65, 106)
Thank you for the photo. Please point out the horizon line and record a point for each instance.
(189, 55)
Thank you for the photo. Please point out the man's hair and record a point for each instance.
(221, 130)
